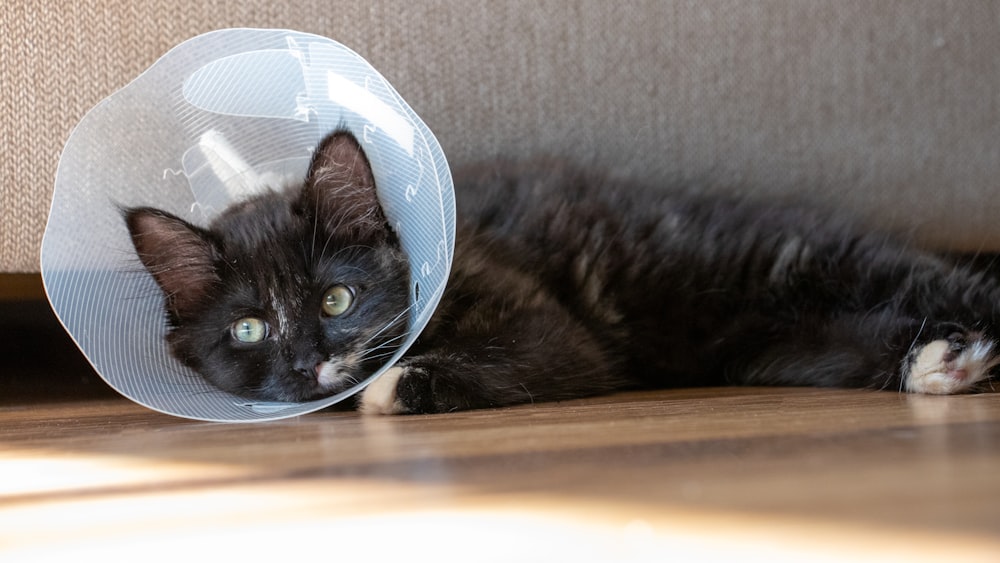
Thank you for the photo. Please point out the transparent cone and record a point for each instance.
(216, 119)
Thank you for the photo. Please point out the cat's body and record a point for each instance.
(565, 284)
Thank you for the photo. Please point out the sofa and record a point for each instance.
(890, 109)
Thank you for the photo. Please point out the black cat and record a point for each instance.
(564, 284)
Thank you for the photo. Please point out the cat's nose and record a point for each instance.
(310, 366)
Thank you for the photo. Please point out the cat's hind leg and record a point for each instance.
(883, 350)
(959, 363)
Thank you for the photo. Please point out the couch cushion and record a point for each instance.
(891, 109)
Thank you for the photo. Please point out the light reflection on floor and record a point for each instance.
(86, 506)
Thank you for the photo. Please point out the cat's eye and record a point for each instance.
(249, 330)
(337, 300)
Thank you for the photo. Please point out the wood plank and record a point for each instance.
(781, 473)
(21, 287)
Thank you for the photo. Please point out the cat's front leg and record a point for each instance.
(445, 382)
(425, 385)
(468, 376)
(436, 384)
(380, 396)
(500, 338)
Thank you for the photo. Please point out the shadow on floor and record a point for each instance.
(41, 362)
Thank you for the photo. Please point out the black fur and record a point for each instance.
(272, 258)
(567, 284)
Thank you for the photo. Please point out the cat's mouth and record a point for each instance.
(336, 375)
(326, 379)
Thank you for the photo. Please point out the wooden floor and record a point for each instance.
(782, 474)
(701, 474)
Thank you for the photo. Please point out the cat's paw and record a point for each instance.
(380, 397)
(411, 389)
(955, 364)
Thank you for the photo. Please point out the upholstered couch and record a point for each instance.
(890, 108)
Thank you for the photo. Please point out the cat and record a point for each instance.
(565, 284)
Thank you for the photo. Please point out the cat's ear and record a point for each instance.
(340, 187)
(179, 255)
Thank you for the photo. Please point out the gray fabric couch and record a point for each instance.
(889, 108)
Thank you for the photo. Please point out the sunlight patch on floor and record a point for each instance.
(91, 505)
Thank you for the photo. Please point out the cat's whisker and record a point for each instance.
(331, 230)
(368, 355)
(362, 271)
(387, 326)
(393, 344)
(397, 337)
(380, 351)
(370, 339)
(888, 380)
(382, 356)
(326, 244)
(312, 250)
(353, 247)
(910, 351)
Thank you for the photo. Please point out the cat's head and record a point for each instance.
(287, 296)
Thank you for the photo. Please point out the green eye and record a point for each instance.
(337, 300)
(249, 330)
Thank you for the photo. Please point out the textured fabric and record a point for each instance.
(889, 108)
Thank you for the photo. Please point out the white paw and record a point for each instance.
(942, 368)
(380, 395)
